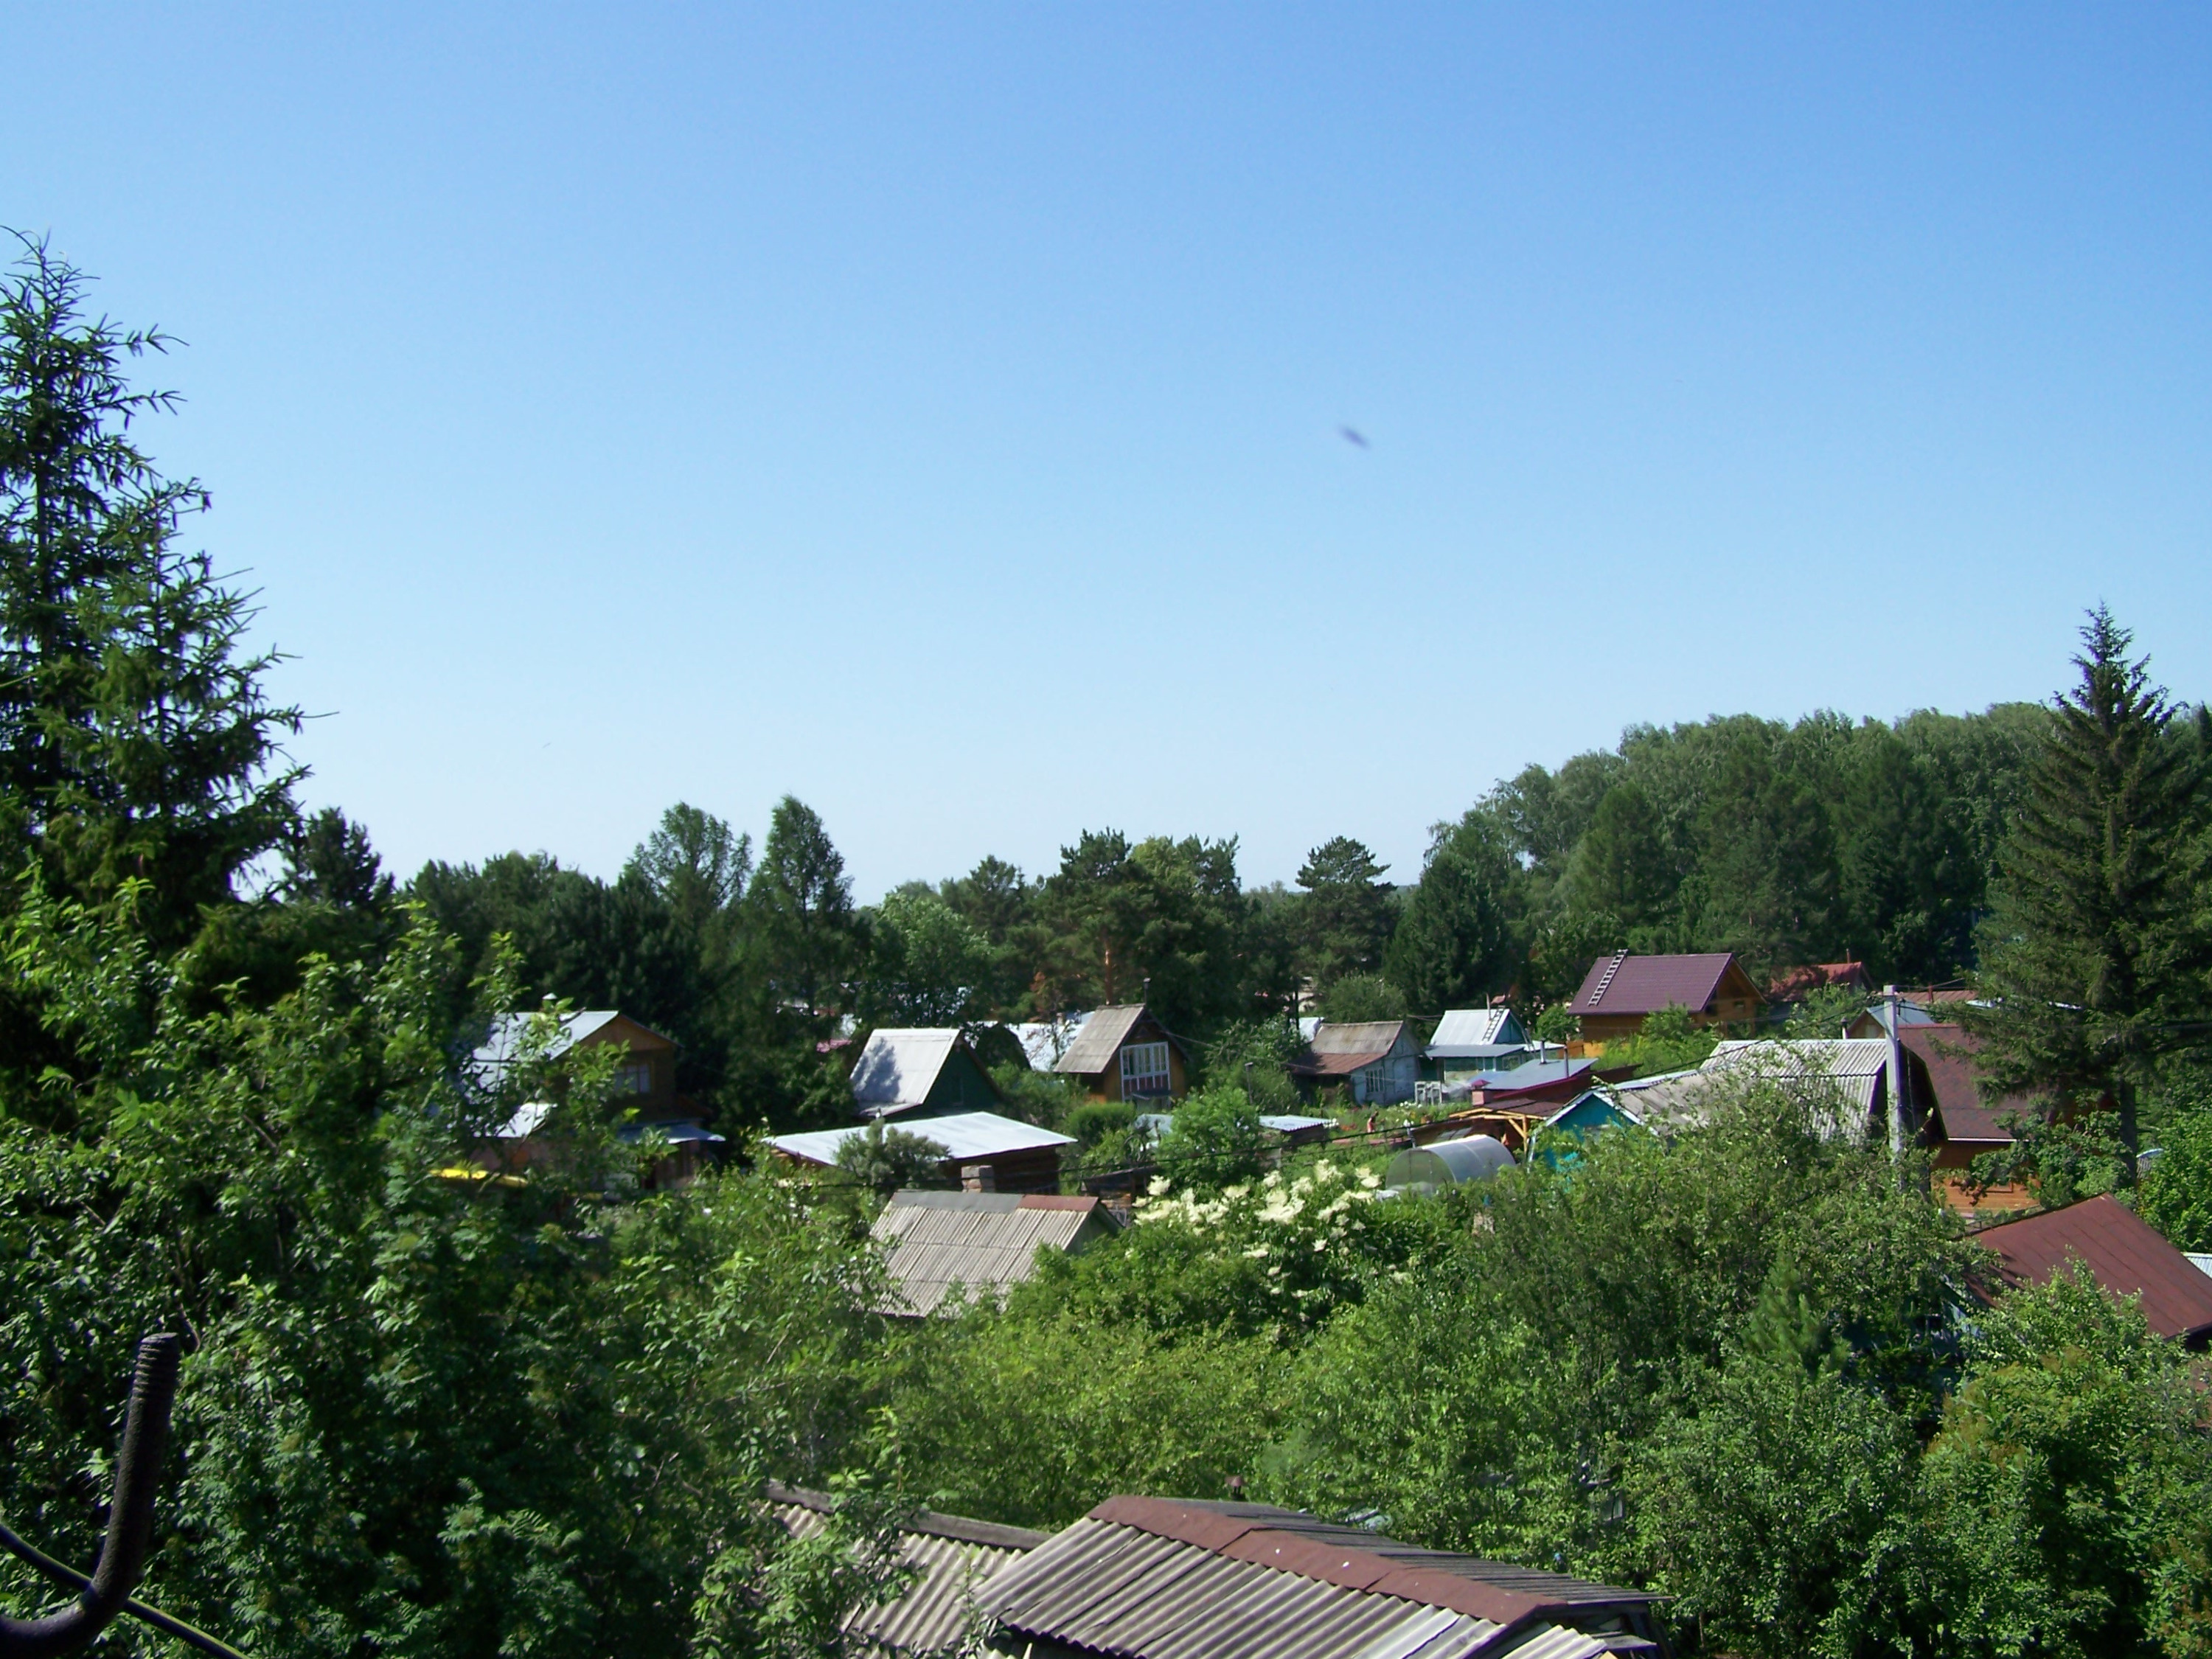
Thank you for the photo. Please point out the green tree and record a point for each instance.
(1215, 1138)
(1621, 867)
(1361, 997)
(2093, 961)
(886, 1158)
(926, 963)
(136, 743)
(2176, 1195)
(1907, 889)
(801, 905)
(1157, 921)
(1346, 915)
(1455, 947)
(696, 865)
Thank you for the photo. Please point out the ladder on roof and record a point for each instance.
(1611, 968)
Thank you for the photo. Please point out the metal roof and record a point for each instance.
(1948, 1052)
(982, 1241)
(1469, 1027)
(1626, 984)
(1044, 1041)
(2125, 1254)
(1854, 1065)
(2201, 1260)
(1151, 1578)
(503, 1042)
(899, 1065)
(1100, 1039)
(955, 1557)
(962, 1134)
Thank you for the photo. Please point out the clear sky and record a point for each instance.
(935, 413)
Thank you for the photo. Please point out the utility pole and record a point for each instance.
(1900, 1126)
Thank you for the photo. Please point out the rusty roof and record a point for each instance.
(1100, 1039)
(1625, 984)
(955, 1557)
(1154, 1578)
(1947, 1051)
(2125, 1254)
(981, 1242)
(1791, 982)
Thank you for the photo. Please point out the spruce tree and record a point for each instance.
(2093, 960)
(137, 744)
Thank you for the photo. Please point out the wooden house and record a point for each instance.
(1621, 991)
(2125, 1254)
(645, 1084)
(1122, 1052)
(1379, 1061)
(1468, 1042)
(906, 1071)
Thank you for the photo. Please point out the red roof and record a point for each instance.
(1947, 1051)
(2124, 1252)
(1625, 984)
(1797, 981)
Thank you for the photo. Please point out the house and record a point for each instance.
(645, 1084)
(1470, 1041)
(918, 1072)
(1013, 1158)
(2124, 1252)
(1847, 1076)
(1621, 991)
(981, 1242)
(1379, 1059)
(1794, 985)
(1512, 1105)
(1122, 1052)
(952, 1557)
(1957, 1124)
(1181, 1578)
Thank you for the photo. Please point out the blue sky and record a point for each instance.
(935, 413)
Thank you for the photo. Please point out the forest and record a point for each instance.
(1752, 1367)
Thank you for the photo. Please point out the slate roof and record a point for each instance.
(1155, 1578)
(1373, 1037)
(899, 1067)
(962, 1134)
(1854, 1065)
(983, 1242)
(1948, 1052)
(955, 1557)
(1100, 1039)
(1626, 984)
(2124, 1252)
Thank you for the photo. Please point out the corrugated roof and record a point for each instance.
(503, 1042)
(1948, 1052)
(982, 1241)
(899, 1065)
(1100, 1039)
(1373, 1037)
(1043, 1040)
(1854, 1065)
(1470, 1027)
(1625, 984)
(956, 1556)
(1151, 1578)
(962, 1134)
(2125, 1254)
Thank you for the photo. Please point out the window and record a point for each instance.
(635, 1078)
(1145, 1071)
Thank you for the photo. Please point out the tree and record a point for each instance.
(1214, 1139)
(1621, 868)
(1157, 921)
(886, 1159)
(1346, 915)
(802, 906)
(136, 743)
(1908, 888)
(697, 865)
(926, 962)
(328, 861)
(2093, 960)
(1454, 949)
(1767, 881)
(1359, 998)
(2176, 1195)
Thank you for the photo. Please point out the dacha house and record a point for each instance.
(1621, 991)
(1122, 1052)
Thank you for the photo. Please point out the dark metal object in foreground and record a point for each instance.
(130, 1530)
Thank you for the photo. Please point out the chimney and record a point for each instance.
(978, 1178)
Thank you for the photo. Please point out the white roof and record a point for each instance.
(962, 1134)
(1854, 1065)
(1045, 1041)
(1470, 1028)
(899, 1067)
(2200, 1260)
(503, 1042)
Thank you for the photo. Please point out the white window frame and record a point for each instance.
(1146, 1062)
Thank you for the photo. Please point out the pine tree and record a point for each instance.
(137, 744)
(1347, 906)
(2093, 960)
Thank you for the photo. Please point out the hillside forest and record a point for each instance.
(1754, 1367)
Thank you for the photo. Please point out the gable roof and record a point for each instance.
(1948, 1052)
(952, 1554)
(900, 1065)
(962, 1134)
(1157, 1578)
(1371, 1036)
(982, 1241)
(1633, 985)
(503, 1042)
(1854, 1065)
(2124, 1252)
(1472, 1033)
(1100, 1039)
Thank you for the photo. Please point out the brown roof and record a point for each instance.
(1625, 984)
(1948, 1052)
(2125, 1254)
(1156, 1578)
(1100, 1038)
(1797, 981)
